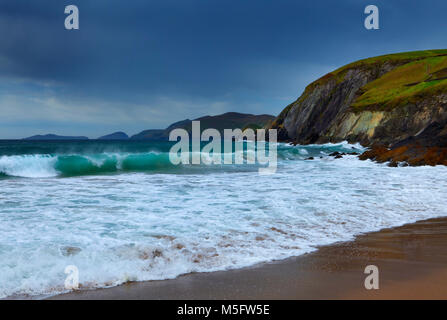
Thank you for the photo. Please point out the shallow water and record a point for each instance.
(151, 220)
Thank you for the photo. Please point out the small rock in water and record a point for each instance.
(156, 253)
(310, 158)
(179, 246)
(70, 251)
(393, 164)
(338, 156)
(334, 154)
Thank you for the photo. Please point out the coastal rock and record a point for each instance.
(392, 100)
(334, 154)
(68, 251)
(412, 155)
(429, 147)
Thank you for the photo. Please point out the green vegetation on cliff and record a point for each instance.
(409, 83)
(385, 98)
(420, 73)
(402, 58)
(397, 100)
(371, 63)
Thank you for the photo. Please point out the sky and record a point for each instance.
(136, 65)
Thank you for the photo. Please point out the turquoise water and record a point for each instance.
(41, 159)
(120, 211)
(67, 159)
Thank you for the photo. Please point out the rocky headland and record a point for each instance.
(394, 104)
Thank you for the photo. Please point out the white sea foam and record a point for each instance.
(29, 166)
(137, 226)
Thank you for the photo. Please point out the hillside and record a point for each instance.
(229, 120)
(115, 136)
(389, 100)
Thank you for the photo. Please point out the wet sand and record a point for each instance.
(412, 262)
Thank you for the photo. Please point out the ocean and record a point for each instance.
(120, 211)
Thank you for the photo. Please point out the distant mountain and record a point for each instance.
(151, 134)
(178, 124)
(54, 137)
(229, 120)
(115, 136)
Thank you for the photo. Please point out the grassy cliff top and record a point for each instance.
(414, 76)
(418, 74)
(403, 57)
(408, 83)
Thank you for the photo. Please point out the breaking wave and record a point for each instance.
(117, 226)
(79, 164)
(43, 166)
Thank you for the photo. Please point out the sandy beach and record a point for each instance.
(412, 262)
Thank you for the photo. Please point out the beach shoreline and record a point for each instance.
(412, 262)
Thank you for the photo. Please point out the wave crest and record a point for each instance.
(80, 164)
(46, 166)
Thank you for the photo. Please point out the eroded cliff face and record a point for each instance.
(388, 127)
(324, 102)
(396, 104)
(380, 100)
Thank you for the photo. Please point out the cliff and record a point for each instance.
(389, 101)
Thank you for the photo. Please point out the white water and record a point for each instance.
(138, 226)
(29, 166)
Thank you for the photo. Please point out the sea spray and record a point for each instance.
(96, 158)
(126, 223)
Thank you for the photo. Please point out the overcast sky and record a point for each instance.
(140, 64)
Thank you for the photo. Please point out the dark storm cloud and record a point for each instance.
(140, 64)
